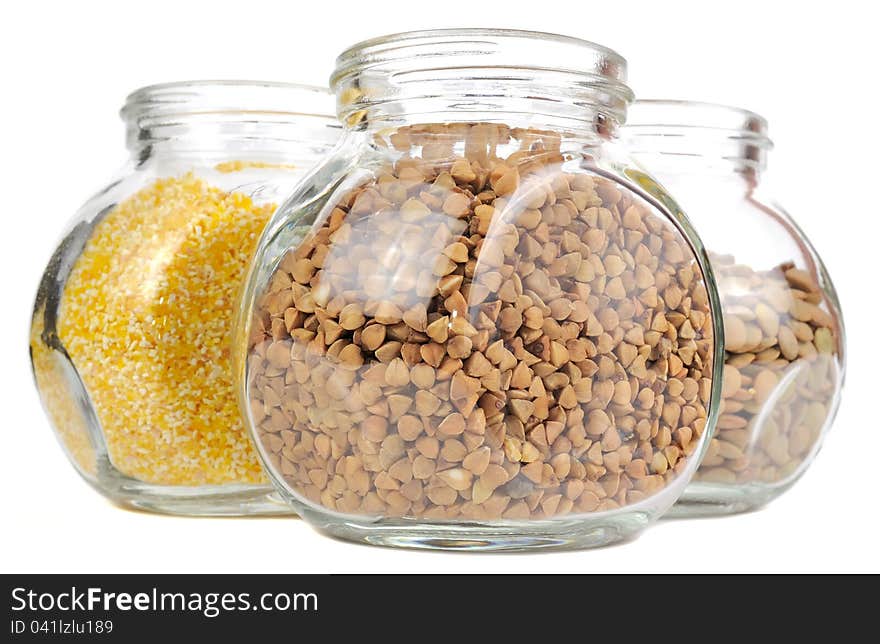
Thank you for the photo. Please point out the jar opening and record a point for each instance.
(470, 74)
(210, 113)
(700, 132)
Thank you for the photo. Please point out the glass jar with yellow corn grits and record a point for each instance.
(130, 333)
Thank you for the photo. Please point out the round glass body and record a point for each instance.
(131, 326)
(453, 333)
(784, 336)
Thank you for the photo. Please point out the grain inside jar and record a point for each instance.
(145, 317)
(784, 336)
(780, 374)
(482, 330)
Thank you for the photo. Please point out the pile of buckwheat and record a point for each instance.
(484, 330)
(780, 373)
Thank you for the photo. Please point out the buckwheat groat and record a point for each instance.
(784, 337)
(780, 375)
(482, 335)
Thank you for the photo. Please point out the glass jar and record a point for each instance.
(784, 337)
(453, 333)
(131, 325)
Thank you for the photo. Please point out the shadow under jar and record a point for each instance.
(784, 336)
(131, 326)
(453, 334)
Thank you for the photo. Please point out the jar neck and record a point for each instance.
(517, 79)
(269, 122)
(689, 137)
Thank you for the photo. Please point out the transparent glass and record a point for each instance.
(784, 337)
(131, 325)
(452, 334)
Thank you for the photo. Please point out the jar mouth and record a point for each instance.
(468, 64)
(225, 99)
(661, 123)
(698, 135)
(213, 115)
(478, 48)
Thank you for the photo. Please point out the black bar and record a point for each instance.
(375, 609)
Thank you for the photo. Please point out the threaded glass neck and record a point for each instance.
(686, 134)
(519, 78)
(210, 116)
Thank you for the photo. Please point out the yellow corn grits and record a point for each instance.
(60, 401)
(238, 165)
(146, 317)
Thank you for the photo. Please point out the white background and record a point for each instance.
(809, 67)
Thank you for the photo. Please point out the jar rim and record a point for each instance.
(183, 98)
(669, 117)
(485, 48)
